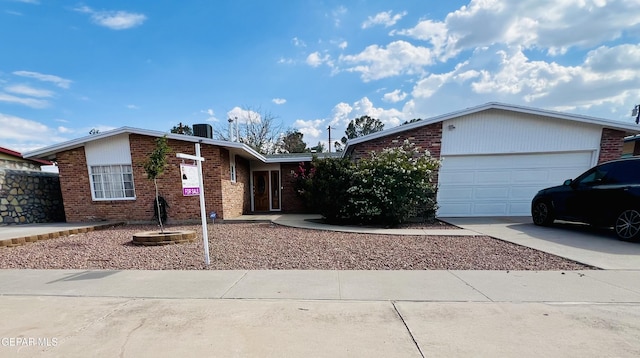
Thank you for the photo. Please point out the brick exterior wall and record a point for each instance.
(611, 144)
(79, 205)
(291, 202)
(426, 137)
(236, 200)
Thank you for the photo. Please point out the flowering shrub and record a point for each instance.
(302, 180)
(388, 188)
(393, 186)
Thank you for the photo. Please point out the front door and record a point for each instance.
(261, 191)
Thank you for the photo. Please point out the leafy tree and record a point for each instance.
(318, 148)
(357, 128)
(182, 129)
(154, 166)
(292, 143)
(257, 129)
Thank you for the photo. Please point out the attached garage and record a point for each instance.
(495, 157)
(502, 185)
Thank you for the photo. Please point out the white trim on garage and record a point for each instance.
(503, 185)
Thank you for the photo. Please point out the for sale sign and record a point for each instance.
(190, 182)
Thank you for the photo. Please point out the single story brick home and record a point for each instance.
(102, 177)
(495, 158)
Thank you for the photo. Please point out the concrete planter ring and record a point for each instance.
(155, 238)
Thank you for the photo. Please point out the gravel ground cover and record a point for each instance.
(253, 246)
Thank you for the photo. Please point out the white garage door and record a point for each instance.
(502, 185)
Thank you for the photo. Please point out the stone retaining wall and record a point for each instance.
(30, 197)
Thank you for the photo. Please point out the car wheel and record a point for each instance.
(628, 225)
(542, 214)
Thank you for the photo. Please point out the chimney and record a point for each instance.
(230, 130)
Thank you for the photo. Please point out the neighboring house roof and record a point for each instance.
(299, 157)
(18, 155)
(629, 128)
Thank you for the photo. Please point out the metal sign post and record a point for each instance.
(203, 212)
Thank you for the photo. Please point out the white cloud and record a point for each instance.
(58, 81)
(383, 18)
(29, 102)
(337, 14)
(244, 115)
(298, 43)
(340, 114)
(398, 58)
(286, 61)
(132, 106)
(312, 129)
(22, 130)
(394, 96)
(390, 117)
(115, 20)
(554, 26)
(29, 91)
(279, 100)
(316, 59)
(65, 130)
(211, 116)
(343, 45)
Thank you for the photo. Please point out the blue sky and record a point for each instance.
(68, 67)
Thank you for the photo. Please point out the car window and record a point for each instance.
(595, 176)
(627, 172)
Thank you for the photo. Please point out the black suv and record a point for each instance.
(606, 195)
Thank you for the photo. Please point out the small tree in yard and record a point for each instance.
(154, 166)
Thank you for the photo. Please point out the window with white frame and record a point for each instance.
(112, 182)
(232, 167)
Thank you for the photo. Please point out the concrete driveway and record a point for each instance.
(578, 242)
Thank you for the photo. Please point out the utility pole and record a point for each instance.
(329, 129)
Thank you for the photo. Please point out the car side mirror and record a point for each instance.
(568, 182)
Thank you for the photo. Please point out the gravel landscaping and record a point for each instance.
(264, 246)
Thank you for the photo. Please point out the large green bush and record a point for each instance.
(387, 188)
(393, 186)
(324, 186)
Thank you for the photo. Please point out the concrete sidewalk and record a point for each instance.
(592, 286)
(54, 313)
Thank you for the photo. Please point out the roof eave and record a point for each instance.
(627, 128)
(51, 151)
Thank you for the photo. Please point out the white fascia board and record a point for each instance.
(627, 127)
(79, 142)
